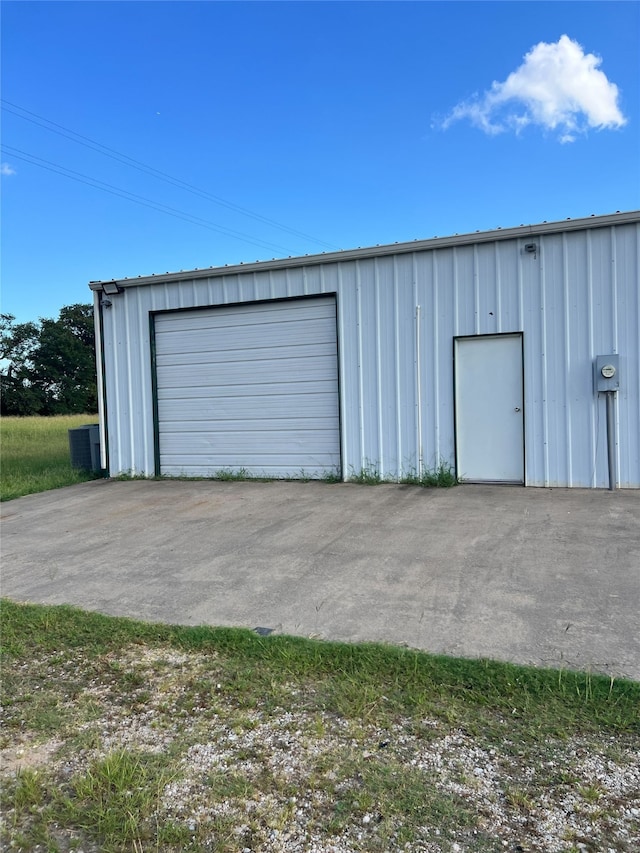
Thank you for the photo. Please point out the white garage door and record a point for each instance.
(251, 387)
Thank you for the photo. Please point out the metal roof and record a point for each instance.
(520, 231)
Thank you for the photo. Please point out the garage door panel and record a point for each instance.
(260, 394)
(226, 340)
(243, 409)
(248, 441)
(254, 425)
(252, 387)
(263, 315)
(248, 373)
(209, 356)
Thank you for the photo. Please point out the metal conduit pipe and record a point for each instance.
(611, 448)
(419, 392)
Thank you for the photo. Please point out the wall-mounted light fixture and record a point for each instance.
(111, 288)
(531, 248)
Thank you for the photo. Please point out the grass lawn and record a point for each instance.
(126, 736)
(34, 454)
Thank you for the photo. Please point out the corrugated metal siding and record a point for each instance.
(577, 297)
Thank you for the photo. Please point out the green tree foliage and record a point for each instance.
(17, 343)
(49, 367)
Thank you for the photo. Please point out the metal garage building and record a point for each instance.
(477, 351)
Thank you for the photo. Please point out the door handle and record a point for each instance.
(517, 409)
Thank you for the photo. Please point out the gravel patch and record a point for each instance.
(287, 781)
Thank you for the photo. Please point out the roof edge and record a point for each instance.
(583, 223)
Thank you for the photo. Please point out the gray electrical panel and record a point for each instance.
(606, 373)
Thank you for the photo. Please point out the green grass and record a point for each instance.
(70, 677)
(361, 680)
(34, 454)
(442, 476)
(115, 796)
(332, 475)
(233, 475)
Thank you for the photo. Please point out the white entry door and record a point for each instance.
(489, 409)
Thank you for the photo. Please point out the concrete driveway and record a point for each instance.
(539, 576)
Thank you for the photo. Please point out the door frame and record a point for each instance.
(456, 338)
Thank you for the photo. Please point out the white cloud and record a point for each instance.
(558, 86)
(6, 169)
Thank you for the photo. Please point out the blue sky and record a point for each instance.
(348, 123)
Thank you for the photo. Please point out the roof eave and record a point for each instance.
(387, 249)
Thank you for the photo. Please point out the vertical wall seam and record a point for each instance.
(631, 471)
(114, 387)
(129, 368)
(417, 367)
(98, 324)
(530, 445)
(151, 428)
(476, 291)
(342, 385)
(398, 408)
(157, 467)
(614, 291)
(498, 269)
(616, 341)
(567, 360)
(142, 314)
(593, 433)
(542, 319)
(435, 295)
(378, 345)
(361, 433)
(456, 294)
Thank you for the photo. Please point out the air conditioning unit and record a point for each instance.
(84, 446)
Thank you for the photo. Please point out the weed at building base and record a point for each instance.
(442, 476)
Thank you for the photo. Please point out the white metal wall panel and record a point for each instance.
(574, 298)
(252, 387)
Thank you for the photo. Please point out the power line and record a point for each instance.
(129, 196)
(87, 142)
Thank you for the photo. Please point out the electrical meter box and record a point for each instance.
(606, 373)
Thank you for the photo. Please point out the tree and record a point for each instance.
(49, 368)
(64, 365)
(17, 343)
